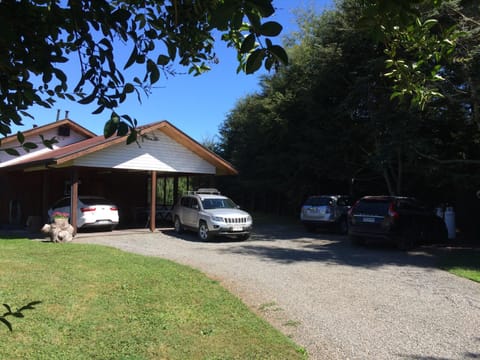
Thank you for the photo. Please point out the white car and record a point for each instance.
(92, 212)
(209, 214)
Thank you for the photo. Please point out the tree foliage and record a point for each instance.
(418, 46)
(39, 36)
(328, 123)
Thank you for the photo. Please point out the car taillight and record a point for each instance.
(86, 209)
(392, 212)
(114, 209)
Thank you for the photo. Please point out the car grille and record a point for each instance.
(236, 220)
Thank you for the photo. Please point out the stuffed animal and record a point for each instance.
(59, 231)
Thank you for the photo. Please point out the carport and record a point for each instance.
(111, 168)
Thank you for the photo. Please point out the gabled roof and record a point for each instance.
(38, 130)
(66, 154)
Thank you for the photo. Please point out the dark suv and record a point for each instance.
(326, 210)
(404, 221)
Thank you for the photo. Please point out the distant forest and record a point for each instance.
(332, 122)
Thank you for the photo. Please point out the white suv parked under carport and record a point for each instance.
(209, 213)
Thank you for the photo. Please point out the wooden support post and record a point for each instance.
(175, 189)
(45, 204)
(74, 200)
(153, 200)
(164, 190)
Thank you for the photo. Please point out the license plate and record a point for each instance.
(368, 219)
(237, 228)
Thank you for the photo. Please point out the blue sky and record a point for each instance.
(196, 105)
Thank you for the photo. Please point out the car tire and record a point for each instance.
(203, 232)
(408, 238)
(356, 240)
(177, 225)
(244, 237)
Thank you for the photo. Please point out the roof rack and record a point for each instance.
(211, 191)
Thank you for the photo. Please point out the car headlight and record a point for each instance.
(217, 218)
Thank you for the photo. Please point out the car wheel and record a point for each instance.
(356, 240)
(178, 225)
(408, 238)
(343, 226)
(203, 232)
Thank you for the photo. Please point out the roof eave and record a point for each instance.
(41, 129)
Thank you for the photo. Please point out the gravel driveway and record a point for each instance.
(337, 301)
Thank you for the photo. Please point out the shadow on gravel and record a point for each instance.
(191, 236)
(337, 252)
(331, 248)
(467, 355)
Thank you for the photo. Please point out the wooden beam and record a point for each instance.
(45, 188)
(164, 190)
(175, 189)
(153, 198)
(74, 200)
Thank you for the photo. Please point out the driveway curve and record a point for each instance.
(337, 301)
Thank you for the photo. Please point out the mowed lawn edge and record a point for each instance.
(97, 302)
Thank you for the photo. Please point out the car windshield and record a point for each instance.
(222, 203)
(319, 201)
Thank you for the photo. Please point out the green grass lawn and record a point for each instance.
(464, 262)
(101, 303)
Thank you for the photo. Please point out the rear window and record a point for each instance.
(319, 201)
(95, 201)
(372, 207)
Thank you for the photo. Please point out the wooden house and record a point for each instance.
(82, 163)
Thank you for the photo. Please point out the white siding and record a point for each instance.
(74, 137)
(159, 153)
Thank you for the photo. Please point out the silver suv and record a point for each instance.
(326, 210)
(209, 214)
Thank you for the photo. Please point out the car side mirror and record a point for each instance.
(196, 207)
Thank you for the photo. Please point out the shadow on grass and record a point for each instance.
(462, 262)
(464, 258)
(16, 314)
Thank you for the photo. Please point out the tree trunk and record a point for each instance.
(388, 181)
(475, 102)
(399, 171)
